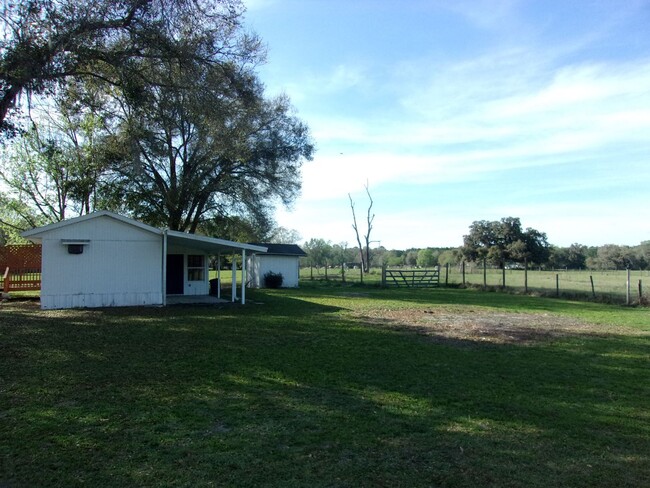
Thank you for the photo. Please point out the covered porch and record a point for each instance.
(186, 267)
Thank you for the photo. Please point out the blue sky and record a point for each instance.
(464, 110)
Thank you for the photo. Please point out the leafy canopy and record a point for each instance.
(169, 121)
(503, 241)
(45, 43)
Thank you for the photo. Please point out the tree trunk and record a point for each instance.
(356, 231)
(369, 220)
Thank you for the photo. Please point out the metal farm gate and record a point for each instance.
(411, 278)
(20, 268)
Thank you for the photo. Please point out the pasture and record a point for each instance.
(328, 385)
(609, 286)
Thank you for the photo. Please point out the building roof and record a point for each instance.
(282, 249)
(34, 234)
(210, 244)
(207, 244)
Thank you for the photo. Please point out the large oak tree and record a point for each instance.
(216, 147)
(188, 135)
(46, 43)
(503, 241)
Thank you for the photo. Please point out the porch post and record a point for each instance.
(233, 294)
(163, 285)
(243, 276)
(219, 275)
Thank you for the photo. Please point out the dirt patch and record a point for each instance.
(481, 325)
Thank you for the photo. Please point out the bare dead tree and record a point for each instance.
(365, 258)
(356, 231)
(370, 219)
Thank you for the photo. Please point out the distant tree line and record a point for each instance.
(576, 257)
(607, 257)
(502, 244)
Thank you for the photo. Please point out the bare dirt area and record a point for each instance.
(482, 326)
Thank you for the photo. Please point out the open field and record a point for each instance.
(608, 285)
(328, 386)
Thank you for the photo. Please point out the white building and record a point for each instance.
(279, 259)
(104, 260)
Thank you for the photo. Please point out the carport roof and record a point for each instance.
(210, 245)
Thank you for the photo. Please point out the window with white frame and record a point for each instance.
(195, 267)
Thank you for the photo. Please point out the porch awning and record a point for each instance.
(210, 245)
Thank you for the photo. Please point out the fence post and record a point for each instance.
(526, 275)
(557, 284)
(462, 263)
(6, 279)
(593, 290)
(447, 274)
(342, 272)
(627, 293)
(640, 293)
(383, 274)
(484, 274)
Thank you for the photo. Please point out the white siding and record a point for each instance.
(261, 264)
(254, 276)
(120, 266)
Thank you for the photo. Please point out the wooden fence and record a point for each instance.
(411, 278)
(20, 268)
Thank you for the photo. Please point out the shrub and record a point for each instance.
(273, 280)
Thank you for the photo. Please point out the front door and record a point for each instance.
(175, 274)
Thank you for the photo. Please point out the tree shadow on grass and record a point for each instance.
(290, 392)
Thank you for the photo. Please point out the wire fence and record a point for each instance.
(606, 286)
(623, 286)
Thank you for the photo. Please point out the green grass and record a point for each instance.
(609, 286)
(300, 388)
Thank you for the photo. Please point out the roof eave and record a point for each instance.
(216, 242)
(35, 233)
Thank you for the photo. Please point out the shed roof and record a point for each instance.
(203, 243)
(282, 249)
(36, 233)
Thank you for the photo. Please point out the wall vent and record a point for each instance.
(75, 246)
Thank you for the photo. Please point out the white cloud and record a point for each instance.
(522, 99)
(337, 80)
(343, 77)
(581, 108)
(595, 87)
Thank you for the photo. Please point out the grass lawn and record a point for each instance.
(328, 386)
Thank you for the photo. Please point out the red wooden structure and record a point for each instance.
(20, 268)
